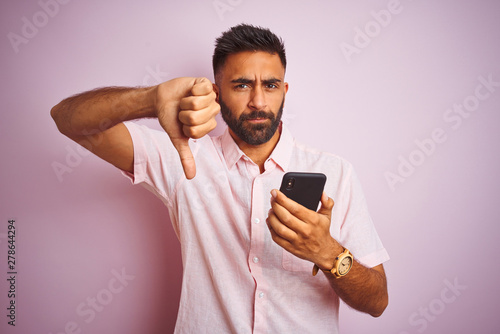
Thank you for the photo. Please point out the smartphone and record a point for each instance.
(304, 188)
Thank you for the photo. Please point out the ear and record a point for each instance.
(286, 87)
(216, 90)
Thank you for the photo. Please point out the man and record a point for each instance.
(247, 249)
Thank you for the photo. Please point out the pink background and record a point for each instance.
(440, 225)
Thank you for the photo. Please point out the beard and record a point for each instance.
(253, 134)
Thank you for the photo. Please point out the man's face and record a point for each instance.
(251, 93)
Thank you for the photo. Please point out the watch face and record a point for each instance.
(345, 265)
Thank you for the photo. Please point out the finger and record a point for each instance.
(202, 86)
(186, 156)
(286, 217)
(280, 234)
(199, 131)
(285, 244)
(278, 228)
(294, 208)
(326, 205)
(197, 117)
(197, 102)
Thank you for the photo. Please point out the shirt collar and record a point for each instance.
(281, 154)
(230, 149)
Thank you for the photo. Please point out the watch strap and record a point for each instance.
(335, 265)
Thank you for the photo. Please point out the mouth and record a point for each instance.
(257, 120)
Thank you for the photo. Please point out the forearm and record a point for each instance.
(364, 289)
(306, 234)
(100, 109)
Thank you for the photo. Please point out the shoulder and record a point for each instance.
(319, 158)
(139, 130)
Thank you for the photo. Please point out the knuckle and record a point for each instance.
(315, 220)
(196, 134)
(197, 103)
(307, 232)
(191, 118)
(295, 211)
(188, 118)
(202, 87)
(281, 230)
(215, 108)
(183, 118)
(276, 238)
(189, 131)
(295, 208)
(286, 220)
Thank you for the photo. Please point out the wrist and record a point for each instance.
(148, 101)
(329, 255)
(341, 265)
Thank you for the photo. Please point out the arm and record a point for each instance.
(364, 289)
(185, 108)
(306, 234)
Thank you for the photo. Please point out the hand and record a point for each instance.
(303, 232)
(186, 108)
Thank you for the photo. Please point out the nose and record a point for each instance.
(258, 99)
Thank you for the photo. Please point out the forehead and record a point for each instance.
(253, 65)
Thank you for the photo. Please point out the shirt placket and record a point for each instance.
(256, 260)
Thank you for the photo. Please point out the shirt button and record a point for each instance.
(255, 259)
(261, 295)
(256, 220)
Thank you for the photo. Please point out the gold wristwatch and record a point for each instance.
(341, 266)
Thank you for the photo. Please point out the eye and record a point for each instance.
(242, 86)
(271, 86)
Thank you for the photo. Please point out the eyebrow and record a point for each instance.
(248, 81)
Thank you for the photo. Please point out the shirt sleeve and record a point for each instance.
(157, 165)
(357, 230)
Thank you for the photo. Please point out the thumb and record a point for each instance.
(326, 205)
(186, 156)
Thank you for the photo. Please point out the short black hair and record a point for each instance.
(246, 37)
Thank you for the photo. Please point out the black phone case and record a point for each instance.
(304, 188)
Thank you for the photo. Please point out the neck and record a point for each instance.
(258, 153)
